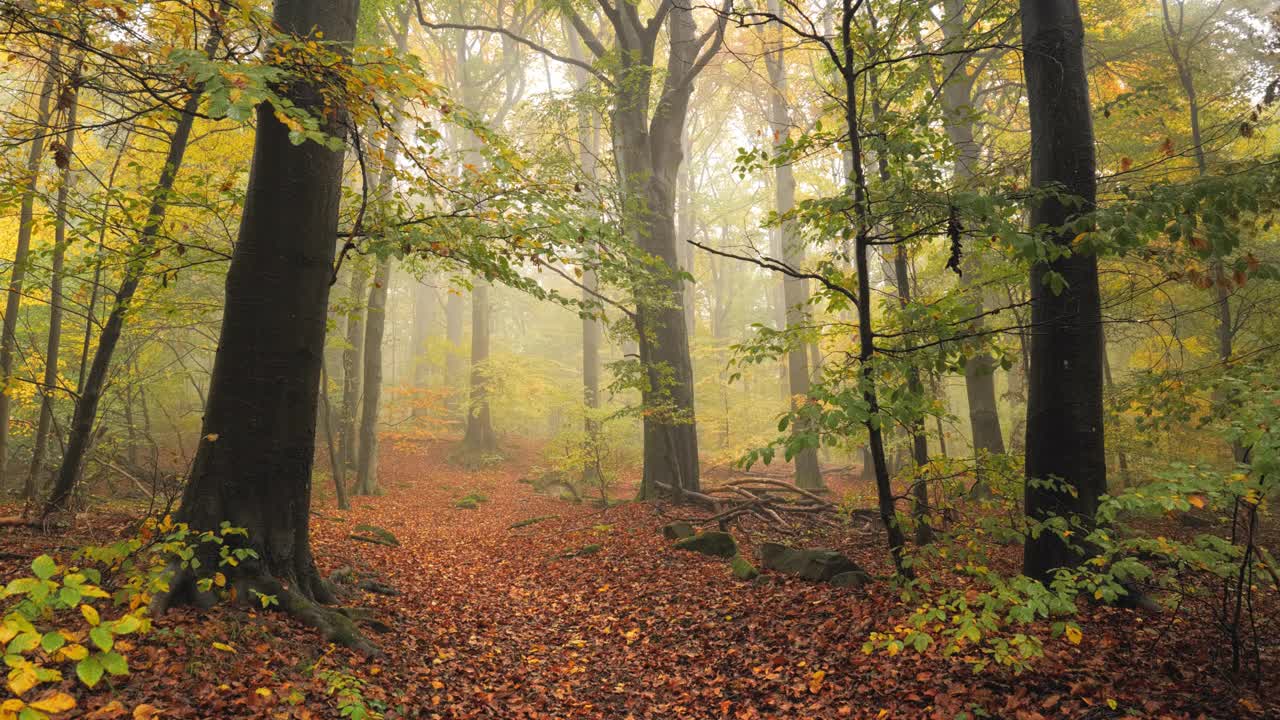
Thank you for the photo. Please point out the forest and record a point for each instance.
(626, 359)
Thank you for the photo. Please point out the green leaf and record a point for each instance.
(24, 642)
(89, 670)
(114, 663)
(44, 567)
(21, 586)
(102, 637)
(69, 596)
(52, 641)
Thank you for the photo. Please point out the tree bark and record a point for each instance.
(253, 465)
(479, 437)
(1065, 441)
(26, 221)
(424, 317)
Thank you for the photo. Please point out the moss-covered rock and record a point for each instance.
(583, 551)
(712, 542)
(678, 530)
(532, 521)
(817, 565)
(742, 568)
(376, 535)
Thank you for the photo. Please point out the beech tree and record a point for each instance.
(253, 465)
(1066, 465)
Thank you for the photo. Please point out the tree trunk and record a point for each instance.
(794, 292)
(1065, 441)
(26, 221)
(375, 324)
(337, 468)
(253, 465)
(866, 338)
(479, 437)
(352, 367)
(957, 102)
(50, 384)
(86, 412)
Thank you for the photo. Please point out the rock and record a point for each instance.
(743, 569)
(851, 579)
(678, 530)
(470, 501)
(815, 565)
(582, 551)
(712, 542)
(532, 521)
(376, 535)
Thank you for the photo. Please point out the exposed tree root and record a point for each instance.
(305, 602)
(780, 504)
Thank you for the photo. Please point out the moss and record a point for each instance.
(742, 568)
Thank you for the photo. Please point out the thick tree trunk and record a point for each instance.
(794, 293)
(374, 328)
(54, 345)
(1065, 440)
(26, 222)
(253, 465)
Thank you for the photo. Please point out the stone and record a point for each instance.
(817, 565)
(376, 535)
(851, 579)
(678, 530)
(712, 542)
(742, 568)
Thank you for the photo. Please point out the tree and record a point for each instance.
(253, 465)
(26, 220)
(1066, 464)
(794, 292)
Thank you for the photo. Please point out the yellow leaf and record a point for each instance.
(1197, 500)
(219, 579)
(264, 692)
(815, 680)
(90, 613)
(22, 678)
(1111, 703)
(145, 712)
(1074, 635)
(223, 647)
(55, 703)
(74, 651)
(211, 437)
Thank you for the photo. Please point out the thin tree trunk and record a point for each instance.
(424, 313)
(794, 294)
(26, 221)
(54, 345)
(479, 437)
(81, 432)
(1066, 456)
(866, 337)
(375, 324)
(957, 102)
(352, 367)
(337, 468)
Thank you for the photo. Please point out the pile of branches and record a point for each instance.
(776, 502)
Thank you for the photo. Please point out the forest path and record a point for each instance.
(493, 623)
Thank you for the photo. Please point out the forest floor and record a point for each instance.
(492, 622)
